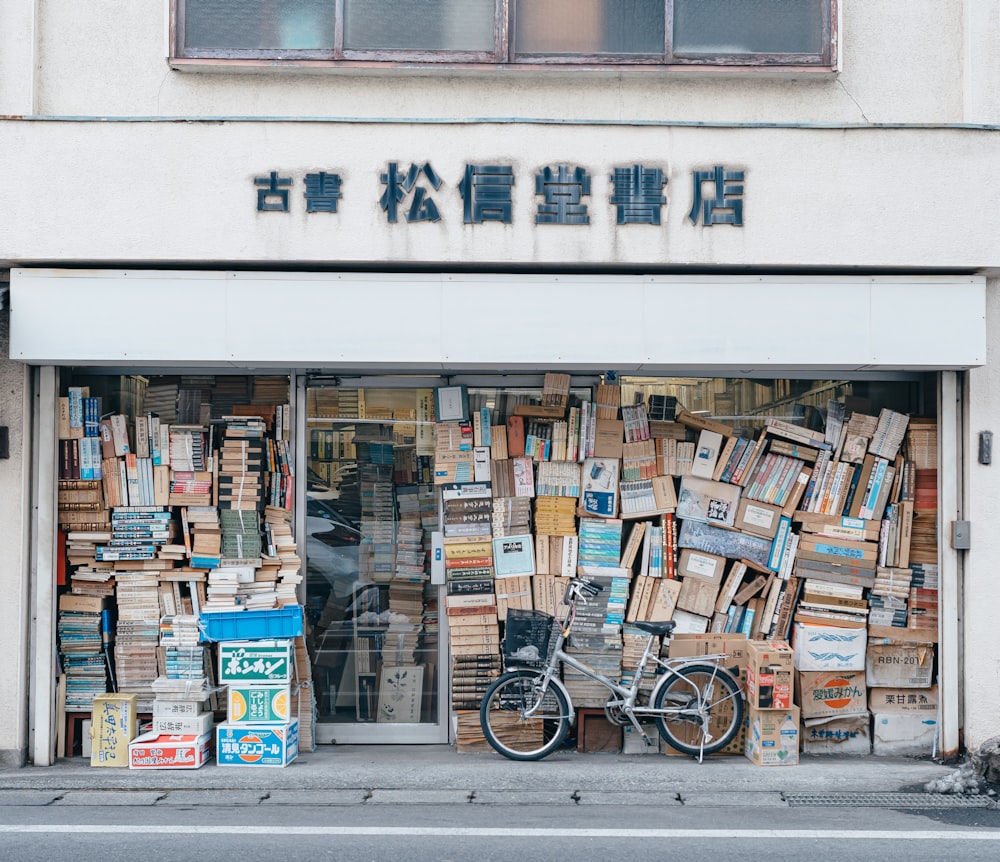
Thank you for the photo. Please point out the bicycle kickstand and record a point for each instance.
(635, 723)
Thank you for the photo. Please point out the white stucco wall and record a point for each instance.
(812, 197)
(902, 62)
(14, 584)
(981, 585)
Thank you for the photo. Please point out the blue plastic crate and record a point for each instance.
(285, 622)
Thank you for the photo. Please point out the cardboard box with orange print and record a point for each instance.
(256, 744)
(825, 693)
(258, 704)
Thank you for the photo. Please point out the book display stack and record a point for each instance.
(242, 457)
(202, 535)
(377, 554)
(750, 531)
(80, 450)
(82, 507)
(83, 628)
(511, 516)
(137, 634)
(163, 472)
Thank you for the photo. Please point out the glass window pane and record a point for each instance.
(748, 26)
(589, 27)
(258, 24)
(419, 25)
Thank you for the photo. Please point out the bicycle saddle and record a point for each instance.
(657, 628)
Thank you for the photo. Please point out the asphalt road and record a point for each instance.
(214, 830)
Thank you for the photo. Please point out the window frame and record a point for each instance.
(505, 54)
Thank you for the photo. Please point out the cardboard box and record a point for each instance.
(824, 693)
(770, 675)
(256, 745)
(114, 724)
(773, 736)
(720, 720)
(258, 704)
(734, 646)
(594, 733)
(900, 665)
(255, 661)
(86, 745)
(161, 751)
(632, 742)
(838, 734)
(183, 725)
(922, 701)
(829, 647)
(84, 604)
(903, 733)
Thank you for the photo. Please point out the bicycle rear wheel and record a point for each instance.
(694, 689)
(507, 727)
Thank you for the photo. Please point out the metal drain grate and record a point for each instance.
(889, 800)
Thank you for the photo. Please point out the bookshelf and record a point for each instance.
(370, 623)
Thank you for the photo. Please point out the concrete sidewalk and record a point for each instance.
(438, 774)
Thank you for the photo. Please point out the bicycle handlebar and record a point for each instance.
(581, 587)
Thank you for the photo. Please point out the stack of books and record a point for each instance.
(511, 516)
(83, 628)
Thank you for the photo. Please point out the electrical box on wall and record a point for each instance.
(961, 540)
(4, 442)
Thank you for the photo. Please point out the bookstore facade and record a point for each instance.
(381, 341)
(400, 478)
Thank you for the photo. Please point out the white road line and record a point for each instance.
(490, 832)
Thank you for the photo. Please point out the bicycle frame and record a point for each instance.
(629, 694)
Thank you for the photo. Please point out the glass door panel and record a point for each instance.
(372, 610)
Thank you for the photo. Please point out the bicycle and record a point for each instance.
(526, 713)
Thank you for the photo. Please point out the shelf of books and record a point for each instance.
(174, 502)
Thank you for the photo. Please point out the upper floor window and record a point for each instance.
(532, 32)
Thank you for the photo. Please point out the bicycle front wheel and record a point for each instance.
(519, 720)
(694, 691)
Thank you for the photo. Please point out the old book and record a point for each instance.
(863, 485)
(750, 590)
(515, 437)
(706, 454)
(632, 544)
(730, 585)
(724, 455)
(703, 423)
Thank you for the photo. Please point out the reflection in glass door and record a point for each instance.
(371, 608)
